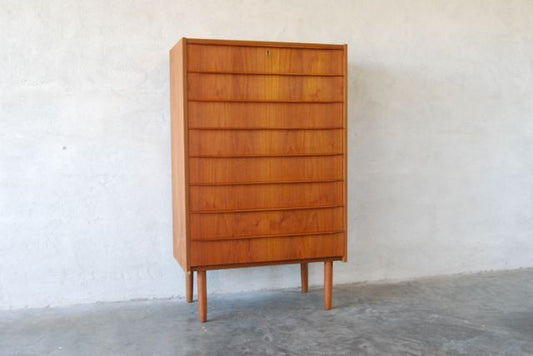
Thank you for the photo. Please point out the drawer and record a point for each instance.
(264, 142)
(261, 115)
(265, 169)
(237, 59)
(261, 223)
(270, 196)
(210, 253)
(264, 88)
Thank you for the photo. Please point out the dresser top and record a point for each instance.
(265, 44)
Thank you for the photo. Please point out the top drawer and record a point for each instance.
(259, 60)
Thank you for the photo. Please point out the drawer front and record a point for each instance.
(264, 223)
(264, 142)
(265, 115)
(237, 59)
(265, 169)
(264, 88)
(270, 196)
(210, 253)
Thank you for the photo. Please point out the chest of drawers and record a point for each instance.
(258, 132)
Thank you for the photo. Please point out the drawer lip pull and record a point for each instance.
(294, 101)
(269, 182)
(220, 128)
(268, 155)
(266, 73)
(219, 211)
(267, 236)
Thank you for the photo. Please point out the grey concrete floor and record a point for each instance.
(481, 314)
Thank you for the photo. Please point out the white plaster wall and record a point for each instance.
(441, 140)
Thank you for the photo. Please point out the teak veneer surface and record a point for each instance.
(264, 60)
(206, 198)
(205, 86)
(258, 133)
(265, 169)
(265, 142)
(243, 225)
(266, 249)
(265, 115)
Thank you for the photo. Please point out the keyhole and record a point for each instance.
(268, 53)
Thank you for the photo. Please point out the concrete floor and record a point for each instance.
(482, 314)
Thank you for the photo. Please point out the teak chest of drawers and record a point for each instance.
(258, 133)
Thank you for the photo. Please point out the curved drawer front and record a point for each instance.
(209, 253)
(271, 196)
(264, 169)
(264, 142)
(241, 59)
(259, 224)
(265, 115)
(233, 87)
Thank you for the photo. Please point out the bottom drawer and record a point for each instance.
(208, 253)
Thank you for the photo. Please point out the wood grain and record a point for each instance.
(240, 43)
(260, 87)
(267, 249)
(206, 198)
(265, 115)
(273, 60)
(202, 296)
(265, 169)
(265, 142)
(259, 145)
(304, 277)
(265, 263)
(345, 144)
(247, 225)
(189, 285)
(328, 284)
(179, 154)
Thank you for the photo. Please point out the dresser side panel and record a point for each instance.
(345, 89)
(179, 154)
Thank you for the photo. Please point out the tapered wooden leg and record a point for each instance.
(328, 283)
(202, 296)
(304, 274)
(189, 276)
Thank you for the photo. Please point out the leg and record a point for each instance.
(304, 274)
(189, 276)
(328, 283)
(202, 296)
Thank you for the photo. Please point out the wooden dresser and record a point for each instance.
(258, 133)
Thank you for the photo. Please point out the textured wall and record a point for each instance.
(441, 140)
